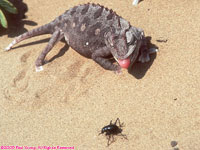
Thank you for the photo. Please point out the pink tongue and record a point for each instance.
(124, 63)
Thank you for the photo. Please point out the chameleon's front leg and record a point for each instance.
(145, 51)
(56, 36)
(99, 56)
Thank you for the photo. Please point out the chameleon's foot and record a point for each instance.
(7, 48)
(135, 2)
(118, 72)
(144, 57)
(153, 50)
(10, 45)
(38, 68)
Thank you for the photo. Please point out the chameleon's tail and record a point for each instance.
(35, 32)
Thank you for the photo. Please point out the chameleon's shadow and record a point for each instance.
(60, 53)
(32, 43)
(138, 70)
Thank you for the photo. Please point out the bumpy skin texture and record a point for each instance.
(95, 32)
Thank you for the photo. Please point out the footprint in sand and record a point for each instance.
(20, 82)
(74, 90)
(25, 56)
(24, 99)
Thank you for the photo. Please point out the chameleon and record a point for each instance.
(95, 32)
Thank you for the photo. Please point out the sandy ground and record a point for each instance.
(69, 102)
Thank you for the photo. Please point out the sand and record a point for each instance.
(69, 102)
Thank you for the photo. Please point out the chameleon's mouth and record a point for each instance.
(126, 60)
(124, 63)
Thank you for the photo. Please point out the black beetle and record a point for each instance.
(111, 130)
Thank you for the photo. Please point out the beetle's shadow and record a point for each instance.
(138, 70)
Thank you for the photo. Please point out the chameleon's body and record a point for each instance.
(95, 32)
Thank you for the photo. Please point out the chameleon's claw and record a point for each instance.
(10, 45)
(39, 68)
(8, 48)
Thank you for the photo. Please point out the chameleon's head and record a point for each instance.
(125, 45)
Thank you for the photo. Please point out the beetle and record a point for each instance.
(111, 130)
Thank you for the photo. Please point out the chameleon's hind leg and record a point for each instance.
(56, 36)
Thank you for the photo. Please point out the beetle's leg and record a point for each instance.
(109, 139)
(120, 124)
(110, 122)
(117, 120)
(108, 143)
(113, 139)
(100, 133)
